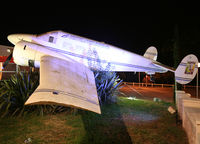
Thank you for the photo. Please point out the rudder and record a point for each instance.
(187, 69)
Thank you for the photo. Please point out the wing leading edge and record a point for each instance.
(65, 83)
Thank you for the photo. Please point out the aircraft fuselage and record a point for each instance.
(29, 49)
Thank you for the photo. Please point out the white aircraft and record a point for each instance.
(65, 61)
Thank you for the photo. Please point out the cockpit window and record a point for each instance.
(48, 37)
(51, 39)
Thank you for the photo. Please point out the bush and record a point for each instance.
(107, 83)
(15, 92)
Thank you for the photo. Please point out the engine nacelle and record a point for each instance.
(29, 54)
(24, 55)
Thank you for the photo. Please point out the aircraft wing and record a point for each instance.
(167, 68)
(141, 64)
(65, 83)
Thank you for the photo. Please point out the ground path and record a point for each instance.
(148, 93)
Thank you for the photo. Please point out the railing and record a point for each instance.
(148, 84)
(156, 85)
(7, 71)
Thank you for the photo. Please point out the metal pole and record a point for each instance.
(16, 68)
(146, 80)
(175, 89)
(139, 79)
(197, 87)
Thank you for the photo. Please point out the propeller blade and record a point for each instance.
(7, 60)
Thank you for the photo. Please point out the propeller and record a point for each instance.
(7, 60)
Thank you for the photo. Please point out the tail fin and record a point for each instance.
(187, 69)
(151, 53)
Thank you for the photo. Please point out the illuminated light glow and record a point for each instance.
(132, 98)
(107, 62)
(8, 50)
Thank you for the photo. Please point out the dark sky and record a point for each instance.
(131, 26)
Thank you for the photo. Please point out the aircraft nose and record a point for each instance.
(15, 38)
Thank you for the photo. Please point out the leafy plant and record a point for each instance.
(15, 91)
(107, 83)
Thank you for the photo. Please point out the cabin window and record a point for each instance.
(51, 39)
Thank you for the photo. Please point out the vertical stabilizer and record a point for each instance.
(187, 69)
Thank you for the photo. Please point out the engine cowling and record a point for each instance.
(29, 54)
(24, 55)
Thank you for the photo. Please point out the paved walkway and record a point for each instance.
(165, 94)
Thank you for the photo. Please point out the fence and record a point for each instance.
(9, 70)
(148, 84)
(156, 85)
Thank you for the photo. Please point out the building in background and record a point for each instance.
(11, 68)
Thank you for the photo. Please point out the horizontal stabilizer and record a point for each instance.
(151, 53)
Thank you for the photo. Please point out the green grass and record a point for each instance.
(128, 121)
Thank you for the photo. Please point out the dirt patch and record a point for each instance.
(53, 129)
(56, 122)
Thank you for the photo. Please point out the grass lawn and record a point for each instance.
(127, 121)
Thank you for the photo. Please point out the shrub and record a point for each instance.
(107, 83)
(15, 92)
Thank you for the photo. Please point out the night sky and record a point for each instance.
(130, 26)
